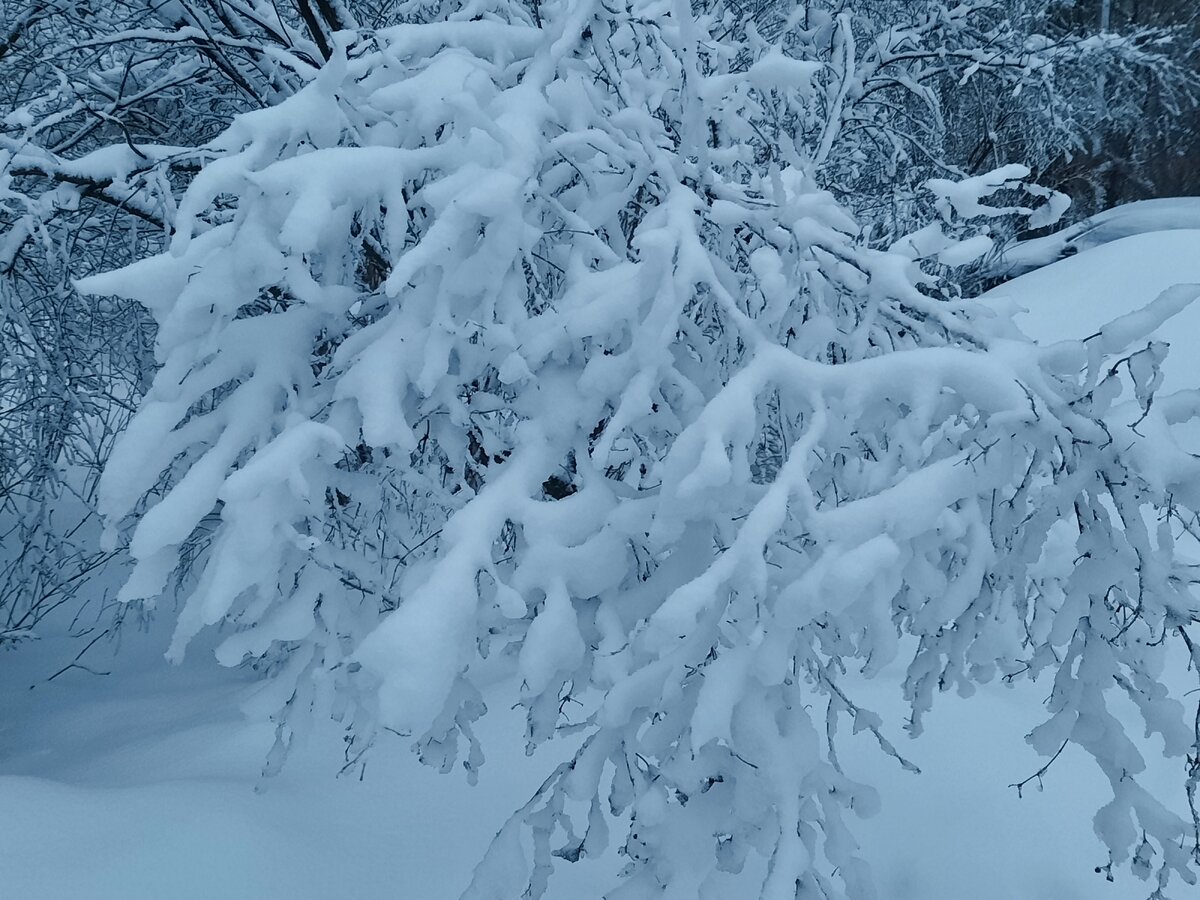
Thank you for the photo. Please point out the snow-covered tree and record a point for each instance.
(525, 353)
(1143, 139)
(961, 88)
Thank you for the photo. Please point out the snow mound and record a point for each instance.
(1075, 297)
(1127, 220)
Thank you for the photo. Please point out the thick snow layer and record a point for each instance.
(1140, 217)
(141, 785)
(144, 784)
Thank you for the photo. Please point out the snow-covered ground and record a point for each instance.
(1072, 298)
(143, 784)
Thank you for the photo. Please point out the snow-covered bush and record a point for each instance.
(526, 355)
(105, 103)
(100, 109)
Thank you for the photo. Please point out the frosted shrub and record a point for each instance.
(531, 359)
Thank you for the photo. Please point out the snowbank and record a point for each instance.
(1140, 217)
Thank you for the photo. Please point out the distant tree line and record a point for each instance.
(1149, 145)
